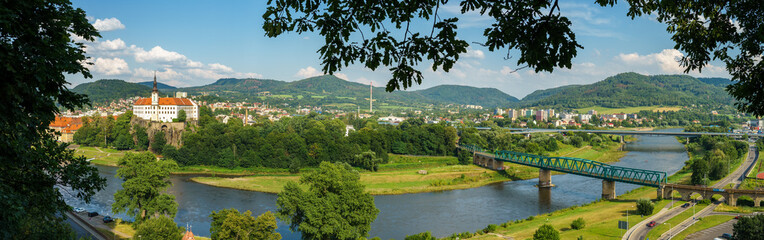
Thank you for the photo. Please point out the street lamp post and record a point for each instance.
(669, 231)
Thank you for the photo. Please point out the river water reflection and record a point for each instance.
(442, 213)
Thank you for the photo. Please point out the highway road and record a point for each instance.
(736, 178)
(639, 231)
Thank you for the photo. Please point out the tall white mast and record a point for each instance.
(371, 98)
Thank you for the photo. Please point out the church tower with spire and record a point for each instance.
(155, 100)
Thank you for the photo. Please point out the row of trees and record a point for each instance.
(109, 132)
(144, 198)
(712, 155)
(307, 141)
(502, 139)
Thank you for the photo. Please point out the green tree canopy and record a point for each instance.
(546, 232)
(334, 206)
(159, 228)
(36, 50)
(379, 34)
(181, 116)
(230, 224)
(159, 141)
(748, 227)
(142, 194)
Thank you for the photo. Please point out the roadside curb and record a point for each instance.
(85, 225)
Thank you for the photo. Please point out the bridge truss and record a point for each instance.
(578, 166)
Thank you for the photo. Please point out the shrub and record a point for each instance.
(490, 228)
(578, 224)
(705, 201)
(546, 232)
(421, 236)
(644, 207)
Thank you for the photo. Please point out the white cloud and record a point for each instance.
(341, 76)
(667, 60)
(472, 53)
(111, 45)
(220, 67)
(110, 66)
(158, 54)
(308, 72)
(108, 24)
(168, 74)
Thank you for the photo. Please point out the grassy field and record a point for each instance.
(401, 176)
(604, 110)
(100, 156)
(601, 219)
(703, 224)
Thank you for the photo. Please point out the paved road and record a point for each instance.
(83, 228)
(78, 230)
(639, 232)
(736, 178)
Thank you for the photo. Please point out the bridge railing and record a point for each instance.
(579, 166)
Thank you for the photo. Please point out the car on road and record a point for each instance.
(685, 205)
(107, 219)
(651, 224)
(92, 214)
(79, 210)
(727, 236)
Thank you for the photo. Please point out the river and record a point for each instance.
(441, 213)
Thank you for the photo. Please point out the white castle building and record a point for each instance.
(158, 109)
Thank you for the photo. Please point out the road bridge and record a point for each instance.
(626, 132)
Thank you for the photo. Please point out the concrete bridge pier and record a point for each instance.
(608, 189)
(731, 199)
(545, 178)
(621, 138)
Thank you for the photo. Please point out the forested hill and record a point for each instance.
(329, 89)
(107, 90)
(159, 85)
(539, 95)
(487, 97)
(632, 89)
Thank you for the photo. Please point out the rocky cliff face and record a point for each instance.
(173, 131)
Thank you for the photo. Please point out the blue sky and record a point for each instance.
(191, 43)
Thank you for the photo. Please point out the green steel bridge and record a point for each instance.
(577, 166)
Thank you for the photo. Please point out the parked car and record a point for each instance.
(651, 224)
(79, 210)
(727, 236)
(107, 219)
(92, 214)
(737, 217)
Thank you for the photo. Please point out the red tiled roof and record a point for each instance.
(166, 101)
(188, 236)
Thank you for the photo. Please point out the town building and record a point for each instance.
(65, 127)
(158, 109)
(512, 114)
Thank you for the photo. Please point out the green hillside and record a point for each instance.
(633, 90)
(538, 95)
(486, 97)
(720, 82)
(107, 90)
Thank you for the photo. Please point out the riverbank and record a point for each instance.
(417, 174)
(602, 217)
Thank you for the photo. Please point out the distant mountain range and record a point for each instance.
(622, 90)
(160, 86)
(107, 90)
(633, 90)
